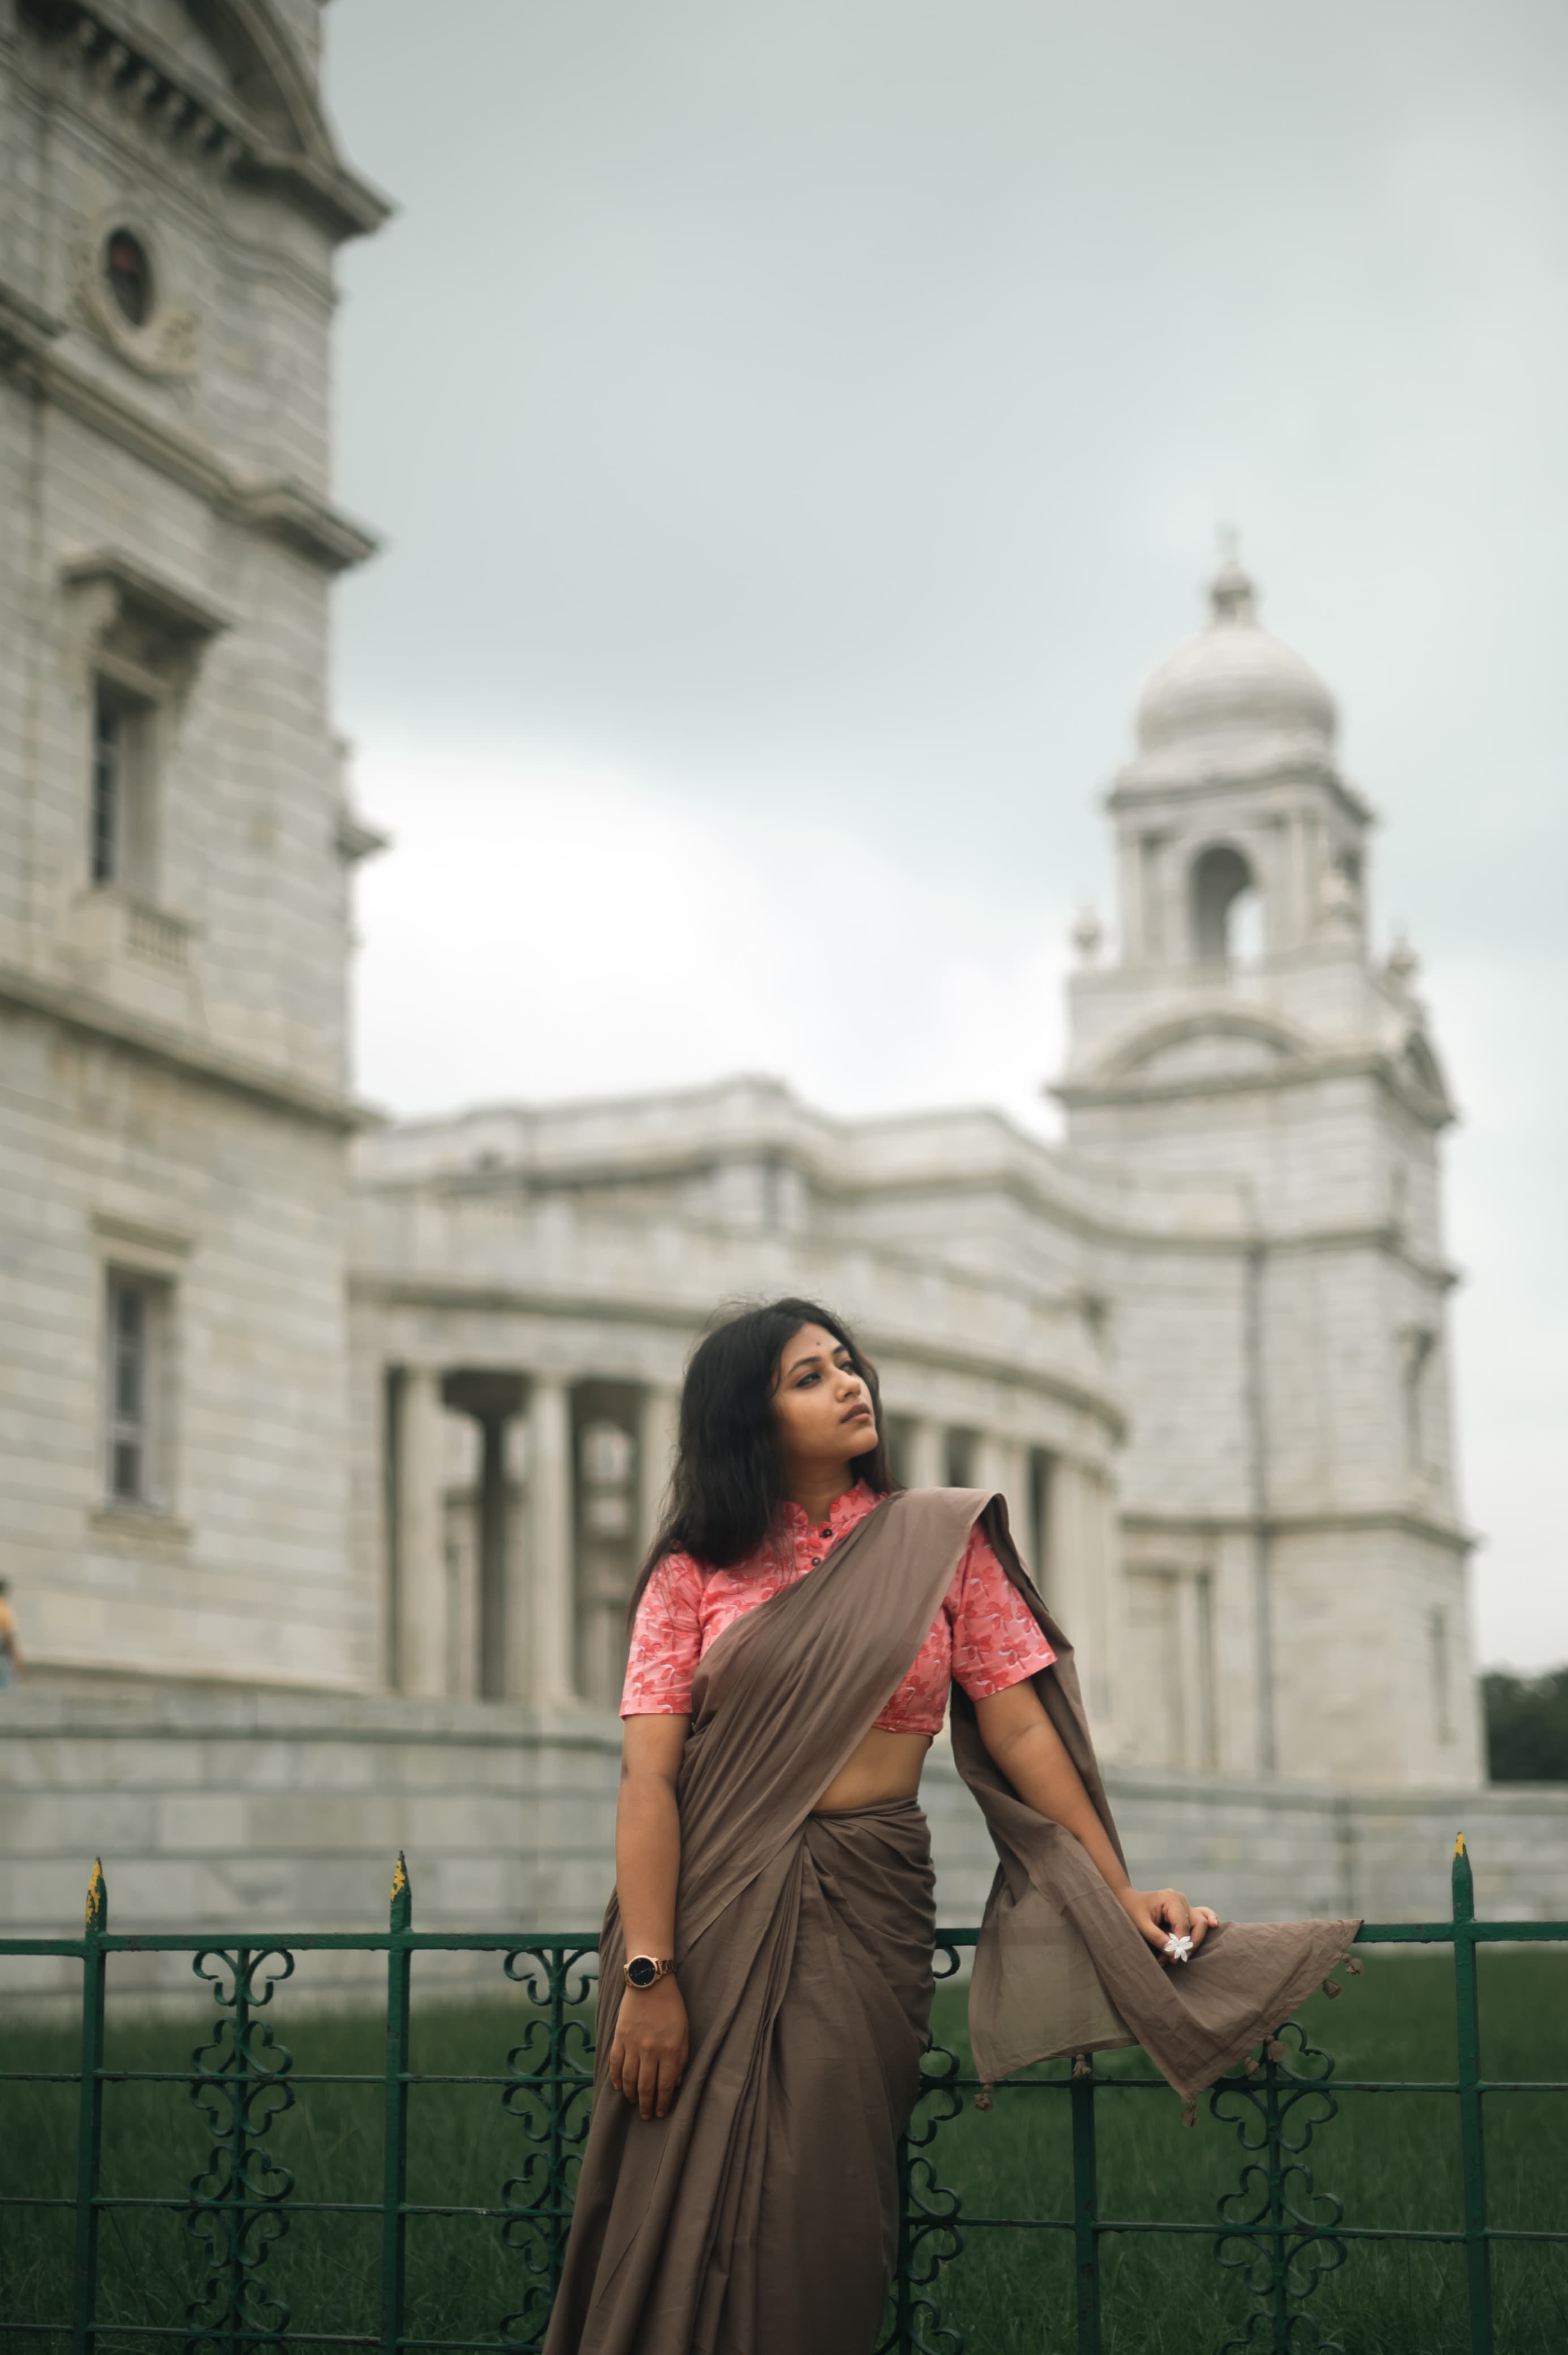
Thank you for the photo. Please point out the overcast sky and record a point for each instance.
(798, 428)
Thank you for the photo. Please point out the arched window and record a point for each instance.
(1226, 908)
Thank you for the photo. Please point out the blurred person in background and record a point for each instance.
(10, 1640)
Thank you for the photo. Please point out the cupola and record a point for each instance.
(1233, 687)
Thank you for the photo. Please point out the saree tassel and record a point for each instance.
(1189, 2114)
(1081, 2066)
(1275, 2050)
(1252, 2064)
(1353, 1965)
(983, 2098)
(1331, 1987)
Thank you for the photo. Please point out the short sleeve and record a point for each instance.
(997, 1640)
(667, 1642)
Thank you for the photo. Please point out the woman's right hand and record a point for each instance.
(647, 2056)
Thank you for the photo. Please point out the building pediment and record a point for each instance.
(1223, 1049)
(223, 75)
(1202, 1042)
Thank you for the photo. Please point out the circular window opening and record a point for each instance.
(130, 275)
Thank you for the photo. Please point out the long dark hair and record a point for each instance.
(727, 1480)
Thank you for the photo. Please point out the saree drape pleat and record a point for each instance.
(760, 2216)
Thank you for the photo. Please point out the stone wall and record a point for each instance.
(247, 1811)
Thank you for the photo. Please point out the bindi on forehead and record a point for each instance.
(800, 1351)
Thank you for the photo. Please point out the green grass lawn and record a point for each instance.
(1391, 2158)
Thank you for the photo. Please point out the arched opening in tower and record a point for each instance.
(1226, 908)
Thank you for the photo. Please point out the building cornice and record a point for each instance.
(26, 330)
(520, 1192)
(281, 508)
(99, 1018)
(1140, 786)
(453, 1294)
(1403, 1520)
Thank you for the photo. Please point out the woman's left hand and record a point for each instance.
(1158, 1914)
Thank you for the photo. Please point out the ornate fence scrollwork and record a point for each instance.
(1282, 2238)
(552, 2067)
(1277, 2235)
(929, 2237)
(239, 2084)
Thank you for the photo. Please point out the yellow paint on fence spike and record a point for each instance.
(400, 1878)
(95, 1895)
(1459, 1844)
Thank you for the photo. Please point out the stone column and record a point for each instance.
(658, 1413)
(1194, 1667)
(1130, 857)
(489, 1669)
(515, 1620)
(463, 1540)
(1085, 1592)
(550, 1681)
(1001, 1464)
(422, 1536)
(928, 1454)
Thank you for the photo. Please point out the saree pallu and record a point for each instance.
(760, 2216)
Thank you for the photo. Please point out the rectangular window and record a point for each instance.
(131, 1384)
(119, 830)
(108, 785)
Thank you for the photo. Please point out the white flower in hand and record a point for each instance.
(1178, 1949)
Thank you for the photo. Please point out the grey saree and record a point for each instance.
(760, 2216)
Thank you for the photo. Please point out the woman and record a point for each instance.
(765, 1968)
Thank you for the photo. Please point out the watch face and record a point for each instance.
(642, 1973)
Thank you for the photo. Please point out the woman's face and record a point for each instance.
(822, 1405)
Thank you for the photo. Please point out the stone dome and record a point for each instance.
(1232, 680)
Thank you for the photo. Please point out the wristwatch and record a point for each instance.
(643, 1971)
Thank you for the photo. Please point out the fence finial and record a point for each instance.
(1464, 1883)
(97, 1897)
(1459, 1843)
(402, 1894)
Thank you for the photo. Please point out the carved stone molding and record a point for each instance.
(26, 330)
(291, 149)
(150, 632)
(177, 612)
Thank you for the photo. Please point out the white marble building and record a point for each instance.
(174, 844)
(295, 1405)
(1199, 1345)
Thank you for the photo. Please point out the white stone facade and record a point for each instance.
(392, 1416)
(173, 900)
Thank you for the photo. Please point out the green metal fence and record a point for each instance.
(1279, 2232)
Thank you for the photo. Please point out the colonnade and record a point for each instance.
(502, 1620)
(512, 1542)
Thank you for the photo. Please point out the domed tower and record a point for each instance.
(1266, 1098)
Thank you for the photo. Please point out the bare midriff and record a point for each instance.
(885, 1766)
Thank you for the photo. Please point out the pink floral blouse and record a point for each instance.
(985, 1634)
